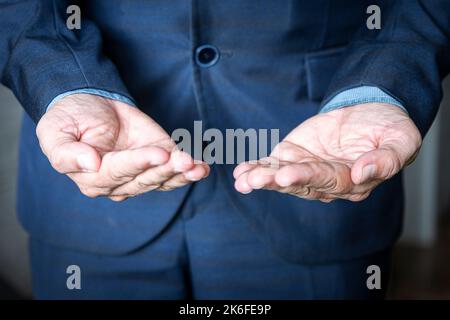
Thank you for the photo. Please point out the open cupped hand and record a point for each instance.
(342, 154)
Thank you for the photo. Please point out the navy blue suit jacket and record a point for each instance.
(280, 61)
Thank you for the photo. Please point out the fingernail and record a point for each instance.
(246, 188)
(368, 172)
(85, 162)
(190, 176)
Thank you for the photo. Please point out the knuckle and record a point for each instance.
(310, 170)
(57, 161)
(143, 184)
(164, 176)
(336, 182)
(165, 188)
(332, 184)
(153, 187)
(39, 129)
(118, 198)
(89, 192)
(307, 192)
(302, 192)
(359, 197)
(116, 176)
(92, 192)
(393, 166)
(42, 126)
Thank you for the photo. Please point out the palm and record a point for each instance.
(122, 127)
(110, 148)
(332, 137)
(325, 156)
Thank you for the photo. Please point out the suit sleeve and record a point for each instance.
(407, 58)
(40, 58)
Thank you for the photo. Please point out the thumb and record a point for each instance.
(74, 156)
(381, 163)
(63, 149)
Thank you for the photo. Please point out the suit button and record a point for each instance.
(207, 55)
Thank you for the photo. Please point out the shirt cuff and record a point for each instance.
(360, 95)
(97, 92)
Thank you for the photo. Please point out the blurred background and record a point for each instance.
(421, 266)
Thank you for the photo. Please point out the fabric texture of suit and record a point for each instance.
(207, 252)
(280, 62)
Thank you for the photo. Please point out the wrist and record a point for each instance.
(93, 92)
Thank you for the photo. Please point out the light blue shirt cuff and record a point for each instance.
(97, 92)
(359, 95)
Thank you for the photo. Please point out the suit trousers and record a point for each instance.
(208, 251)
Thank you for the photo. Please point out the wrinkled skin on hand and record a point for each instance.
(342, 154)
(109, 148)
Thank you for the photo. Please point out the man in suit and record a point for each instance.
(352, 105)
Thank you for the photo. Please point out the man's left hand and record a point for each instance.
(342, 154)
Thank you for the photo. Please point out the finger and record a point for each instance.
(70, 156)
(287, 151)
(181, 161)
(118, 198)
(181, 179)
(241, 184)
(59, 142)
(130, 163)
(93, 192)
(200, 171)
(261, 176)
(382, 163)
(243, 167)
(359, 197)
(155, 177)
(264, 177)
(120, 167)
(357, 193)
(257, 175)
(249, 165)
(321, 176)
(303, 192)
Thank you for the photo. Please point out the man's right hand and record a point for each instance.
(109, 148)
